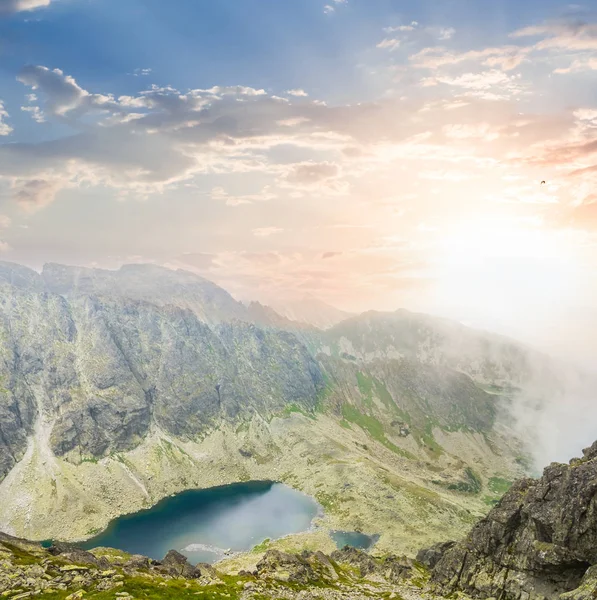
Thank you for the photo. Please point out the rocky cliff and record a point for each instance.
(539, 542)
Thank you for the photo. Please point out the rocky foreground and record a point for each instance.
(66, 572)
(539, 542)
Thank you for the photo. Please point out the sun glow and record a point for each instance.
(504, 264)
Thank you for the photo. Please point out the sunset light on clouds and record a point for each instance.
(374, 154)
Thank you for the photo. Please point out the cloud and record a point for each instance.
(5, 128)
(36, 113)
(413, 32)
(298, 93)
(459, 131)
(37, 193)
(562, 35)
(329, 9)
(580, 64)
(389, 44)
(491, 85)
(63, 94)
(310, 173)
(220, 195)
(266, 231)
(163, 138)
(8, 7)
(505, 57)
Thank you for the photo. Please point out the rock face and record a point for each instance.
(101, 370)
(539, 542)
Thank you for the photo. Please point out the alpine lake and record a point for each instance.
(207, 525)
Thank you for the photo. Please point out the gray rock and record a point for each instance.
(431, 556)
(540, 540)
(177, 564)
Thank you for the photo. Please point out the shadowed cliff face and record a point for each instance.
(101, 371)
(538, 542)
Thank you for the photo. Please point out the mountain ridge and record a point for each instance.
(101, 389)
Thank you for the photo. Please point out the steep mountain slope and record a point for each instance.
(102, 371)
(112, 399)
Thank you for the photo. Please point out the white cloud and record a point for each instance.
(505, 57)
(459, 131)
(62, 92)
(5, 128)
(491, 85)
(36, 193)
(36, 113)
(580, 64)
(446, 33)
(389, 44)
(266, 231)
(299, 93)
(13, 6)
(328, 9)
(413, 25)
(221, 195)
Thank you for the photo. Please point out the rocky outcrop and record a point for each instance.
(390, 568)
(539, 542)
(64, 571)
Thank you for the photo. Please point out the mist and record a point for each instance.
(555, 413)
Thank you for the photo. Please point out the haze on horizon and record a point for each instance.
(372, 154)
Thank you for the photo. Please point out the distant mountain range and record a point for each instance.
(118, 388)
(312, 311)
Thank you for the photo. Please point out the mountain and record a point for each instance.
(486, 357)
(312, 311)
(150, 283)
(539, 542)
(120, 388)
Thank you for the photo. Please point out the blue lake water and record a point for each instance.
(354, 539)
(203, 524)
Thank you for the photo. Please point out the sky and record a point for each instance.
(375, 154)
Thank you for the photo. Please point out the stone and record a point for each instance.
(178, 565)
(431, 556)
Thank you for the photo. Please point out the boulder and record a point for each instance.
(74, 554)
(432, 555)
(177, 564)
(285, 567)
